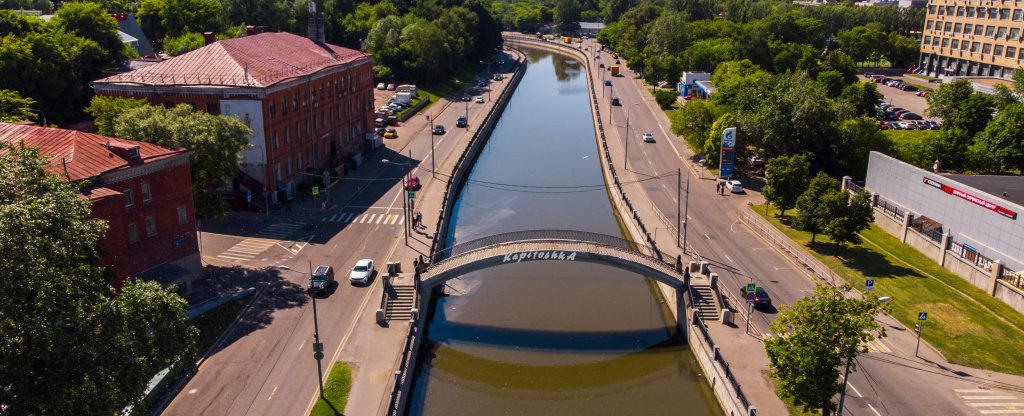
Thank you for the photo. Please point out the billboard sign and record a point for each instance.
(250, 113)
(1001, 210)
(728, 156)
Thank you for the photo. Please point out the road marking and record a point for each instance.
(854, 389)
(303, 344)
(988, 397)
(707, 236)
(271, 396)
(1002, 412)
(873, 409)
(994, 404)
(972, 391)
(372, 217)
(728, 258)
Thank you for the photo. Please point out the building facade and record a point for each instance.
(309, 104)
(143, 192)
(972, 38)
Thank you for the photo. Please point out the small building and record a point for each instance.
(590, 28)
(142, 190)
(131, 33)
(309, 104)
(695, 84)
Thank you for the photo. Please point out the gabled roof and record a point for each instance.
(260, 60)
(82, 155)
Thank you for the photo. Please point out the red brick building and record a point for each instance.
(142, 190)
(310, 104)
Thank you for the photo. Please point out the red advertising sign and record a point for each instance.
(971, 198)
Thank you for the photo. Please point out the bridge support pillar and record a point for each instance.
(681, 313)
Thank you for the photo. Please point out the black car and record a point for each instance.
(461, 122)
(607, 82)
(438, 129)
(759, 297)
(615, 101)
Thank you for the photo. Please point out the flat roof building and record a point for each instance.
(972, 38)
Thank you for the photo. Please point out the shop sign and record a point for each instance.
(1006, 212)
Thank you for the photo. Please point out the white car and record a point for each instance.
(734, 186)
(479, 99)
(381, 86)
(648, 137)
(362, 271)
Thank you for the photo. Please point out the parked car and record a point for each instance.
(391, 133)
(412, 183)
(394, 107)
(607, 82)
(438, 129)
(479, 99)
(759, 297)
(911, 116)
(756, 161)
(381, 86)
(734, 186)
(465, 98)
(615, 101)
(362, 272)
(462, 122)
(379, 130)
(482, 83)
(391, 87)
(648, 137)
(497, 77)
(320, 280)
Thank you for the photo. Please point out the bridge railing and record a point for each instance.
(544, 235)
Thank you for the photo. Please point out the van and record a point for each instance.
(407, 88)
(321, 280)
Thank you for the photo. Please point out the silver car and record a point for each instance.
(362, 271)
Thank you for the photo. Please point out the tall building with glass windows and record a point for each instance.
(980, 38)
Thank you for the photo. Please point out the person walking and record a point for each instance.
(419, 219)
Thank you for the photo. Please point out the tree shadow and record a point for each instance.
(277, 294)
(868, 262)
(334, 410)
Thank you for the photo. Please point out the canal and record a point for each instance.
(546, 337)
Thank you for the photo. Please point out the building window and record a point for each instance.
(960, 11)
(1017, 14)
(968, 28)
(182, 215)
(298, 160)
(975, 47)
(978, 30)
(1000, 32)
(133, 233)
(998, 51)
(1004, 14)
(993, 14)
(305, 98)
(957, 28)
(931, 9)
(287, 136)
(949, 27)
(928, 25)
(986, 48)
(150, 226)
(1011, 52)
(273, 140)
(935, 41)
(273, 110)
(277, 171)
(288, 168)
(945, 42)
(314, 119)
(295, 102)
(965, 45)
(129, 197)
(970, 12)
(955, 44)
(990, 31)
(147, 192)
(1014, 33)
(284, 106)
(298, 133)
(949, 10)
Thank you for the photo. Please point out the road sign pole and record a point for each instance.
(846, 380)
(750, 312)
(920, 328)
(318, 352)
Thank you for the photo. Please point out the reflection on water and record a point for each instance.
(550, 337)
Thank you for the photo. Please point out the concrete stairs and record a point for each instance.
(399, 301)
(705, 301)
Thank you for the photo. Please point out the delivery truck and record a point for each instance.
(615, 70)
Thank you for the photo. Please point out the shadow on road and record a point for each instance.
(278, 294)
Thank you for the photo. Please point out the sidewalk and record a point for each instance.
(375, 351)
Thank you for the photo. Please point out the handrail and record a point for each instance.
(530, 235)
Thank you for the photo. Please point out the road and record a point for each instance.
(264, 365)
(890, 380)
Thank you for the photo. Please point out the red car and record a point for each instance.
(412, 183)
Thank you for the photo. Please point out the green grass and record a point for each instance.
(969, 326)
(336, 388)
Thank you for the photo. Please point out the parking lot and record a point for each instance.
(904, 99)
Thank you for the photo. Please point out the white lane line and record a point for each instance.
(1002, 412)
(729, 258)
(362, 218)
(707, 236)
(348, 217)
(401, 220)
(271, 396)
(242, 250)
(995, 404)
(873, 409)
(972, 391)
(854, 389)
(372, 217)
(392, 219)
(303, 344)
(233, 257)
(988, 397)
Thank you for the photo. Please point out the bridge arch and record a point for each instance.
(550, 245)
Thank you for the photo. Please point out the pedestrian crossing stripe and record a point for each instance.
(877, 346)
(279, 231)
(251, 247)
(366, 218)
(992, 402)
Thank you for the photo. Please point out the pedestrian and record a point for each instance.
(323, 206)
(419, 218)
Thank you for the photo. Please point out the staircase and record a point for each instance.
(399, 300)
(705, 301)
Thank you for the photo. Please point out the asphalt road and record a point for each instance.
(890, 380)
(265, 365)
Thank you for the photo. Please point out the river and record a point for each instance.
(548, 337)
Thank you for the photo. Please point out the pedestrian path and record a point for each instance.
(992, 402)
(251, 247)
(365, 218)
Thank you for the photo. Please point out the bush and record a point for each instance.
(665, 98)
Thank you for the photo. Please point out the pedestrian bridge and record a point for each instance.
(549, 245)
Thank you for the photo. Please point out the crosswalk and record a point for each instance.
(877, 346)
(992, 402)
(365, 218)
(251, 247)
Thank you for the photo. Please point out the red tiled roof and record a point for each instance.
(83, 155)
(258, 60)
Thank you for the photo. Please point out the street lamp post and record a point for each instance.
(318, 347)
(405, 208)
(625, 161)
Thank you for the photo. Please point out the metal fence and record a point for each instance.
(717, 357)
(547, 235)
(927, 228)
(968, 253)
(889, 208)
(854, 188)
(1014, 278)
(773, 235)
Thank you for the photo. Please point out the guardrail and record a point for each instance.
(547, 235)
(403, 377)
(711, 361)
(773, 235)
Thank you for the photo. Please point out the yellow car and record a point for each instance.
(390, 135)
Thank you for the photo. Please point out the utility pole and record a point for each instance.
(679, 201)
(625, 159)
(846, 380)
(432, 168)
(318, 348)
(686, 211)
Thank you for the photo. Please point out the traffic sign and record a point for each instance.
(922, 316)
(316, 190)
(412, 195)
(869, 285)
(318, 355)
(751, 287)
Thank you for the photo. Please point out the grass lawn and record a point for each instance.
(336, 388)
(967, 325)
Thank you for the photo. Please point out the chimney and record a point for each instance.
(316, 26)
(209, 37)
(250, 30)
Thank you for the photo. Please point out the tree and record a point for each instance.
(665, 98)
(945, 101)
(186, 42)
(861, 97)
(14, 107)
(815, 338)
(1004, 138)
(786, 179)
(843, 218)
(693, 121)
(91, 21)
(214, 142)
(70, 344)
(808, 205)
(105, 109)
(567, 15)
(1002, 96)
(916, 147)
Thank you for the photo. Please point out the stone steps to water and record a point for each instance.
(400, 299)
(705, 302)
